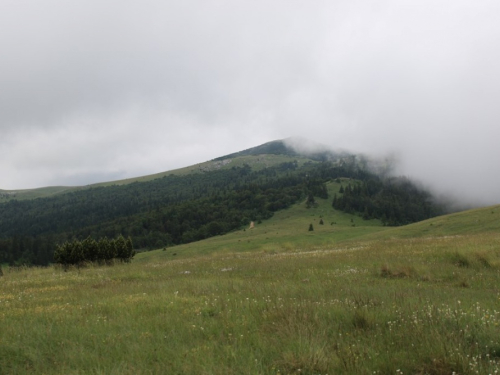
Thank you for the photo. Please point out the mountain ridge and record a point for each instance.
(276, 147)
(204, 200)
(284, 147)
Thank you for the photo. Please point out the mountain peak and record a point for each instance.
(292, 146)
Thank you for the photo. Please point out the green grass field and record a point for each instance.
(350, 297)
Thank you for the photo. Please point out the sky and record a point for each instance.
(102, 90)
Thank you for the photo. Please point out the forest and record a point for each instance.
(395, 201)
(181, 209)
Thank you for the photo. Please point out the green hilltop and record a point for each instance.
(260, 157)
(259, 162)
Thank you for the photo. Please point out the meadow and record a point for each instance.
(350, 297)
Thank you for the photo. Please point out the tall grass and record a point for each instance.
(316, 304)
(332, 310)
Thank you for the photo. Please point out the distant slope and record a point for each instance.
(6, 195)
(479, 220)
(282, 147)
(274, 147)
(255, 161)
(264, 156)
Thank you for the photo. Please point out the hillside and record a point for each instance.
(256, 161)
(259, 157)
(470, 222)
(312, 151)
(8, 195)
(202, 201)
(287, 231)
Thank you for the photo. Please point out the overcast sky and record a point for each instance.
(101, 90)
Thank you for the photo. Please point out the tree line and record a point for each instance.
(394, 201)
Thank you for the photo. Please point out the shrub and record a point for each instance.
(89, 250)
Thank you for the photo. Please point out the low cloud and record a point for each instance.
(99, 91)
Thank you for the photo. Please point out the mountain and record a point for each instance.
(268, 154)
(293, 147)
(203, 200)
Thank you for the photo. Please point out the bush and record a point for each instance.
(89, 250)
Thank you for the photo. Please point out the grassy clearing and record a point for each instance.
(286, 231)
(333, 301)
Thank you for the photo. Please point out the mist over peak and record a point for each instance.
(306, 146)
(456, 178)
(163, 86)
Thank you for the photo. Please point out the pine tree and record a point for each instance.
(310, 201)
(76, 253)
(366, 214)
(311, 228)
(130, 249)
(121, 248)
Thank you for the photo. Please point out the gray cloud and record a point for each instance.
(95, 90)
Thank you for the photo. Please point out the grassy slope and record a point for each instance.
(257, 162)
(6, 195)
(276, 299)
(286, 230)
(469, 222)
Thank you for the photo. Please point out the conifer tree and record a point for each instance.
(130, 249)
(366, 214)
(89, 250)
(121, 248)
(310, 201)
